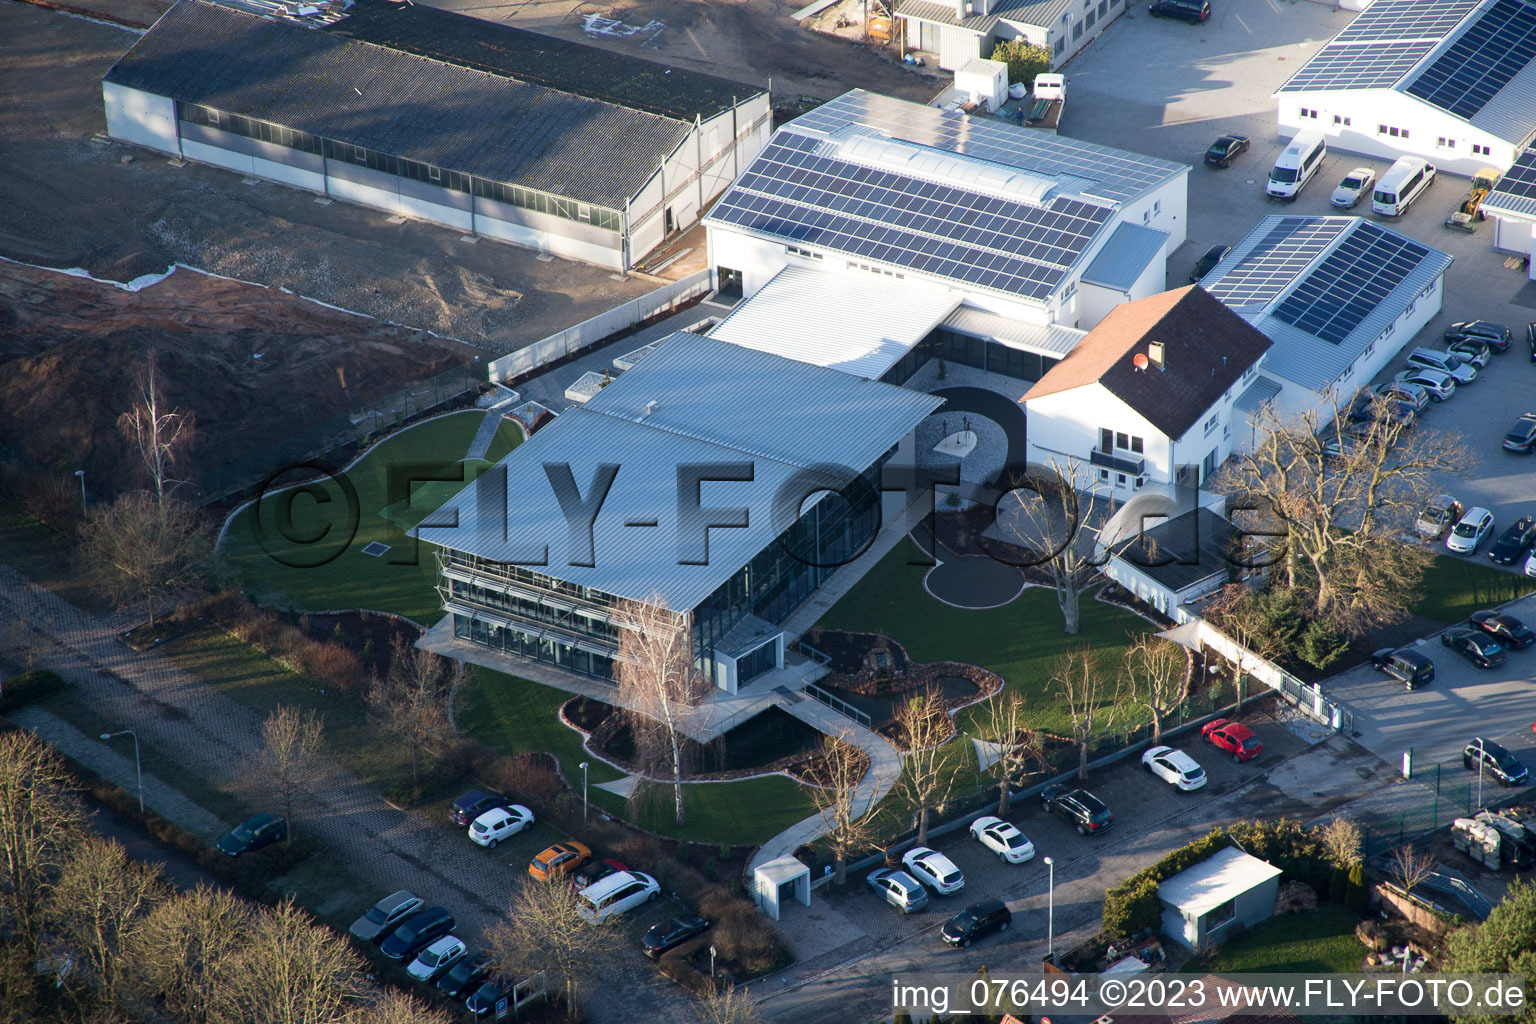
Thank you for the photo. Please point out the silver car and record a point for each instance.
(899, 889)
(1355, 186)
(1438, 384)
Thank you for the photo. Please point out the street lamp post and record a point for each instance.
(584, 792)
(1050, 912)
(1480, 758)
(711, 964)
(137, 764)
(81, 474)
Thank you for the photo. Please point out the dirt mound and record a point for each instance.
(254, 364)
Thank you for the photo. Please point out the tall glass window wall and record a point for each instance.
(969, 350)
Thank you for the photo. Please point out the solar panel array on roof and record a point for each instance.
(1270, 266)
(1400, 20)
(1482, 60)
(1351, 282)
(1520, 180)
(1358, 67)
(1382, 45)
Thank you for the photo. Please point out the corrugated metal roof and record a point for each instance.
(1125, 255)
(858, 323)
(1511, 114)
(398, 103)
(1516, 192)
(1222, 876)
(1046, 339)
(716, 403)
(1038, 13)
(1257, 393)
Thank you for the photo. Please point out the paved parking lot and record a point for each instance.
(1167, 89)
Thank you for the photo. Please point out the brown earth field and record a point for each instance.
(70, 349)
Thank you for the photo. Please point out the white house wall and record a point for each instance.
(140, 118)
(1512, 235)
(1067, 424)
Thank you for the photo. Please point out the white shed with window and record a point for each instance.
(1201, 904)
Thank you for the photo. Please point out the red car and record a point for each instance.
(1233, 737)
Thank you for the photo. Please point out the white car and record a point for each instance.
(1174, 767)
(1471, 531)
(1530, 565)
(1355, 186)
(431, 962)
(500, 823)
(616, 894)
(1003, 839)
(934, 870)
(1438, 383)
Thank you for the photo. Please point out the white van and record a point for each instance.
(1301, 159)
(1404, 182)
(618, 893)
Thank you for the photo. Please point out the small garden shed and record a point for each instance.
(1201, 904)
(781, 881)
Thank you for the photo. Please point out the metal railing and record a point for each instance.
(819, 657)
(839, 705)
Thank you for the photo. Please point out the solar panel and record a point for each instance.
(1348, 285)
(1271, 265)
(1482, 60)
(1401, 20)
(1520, 180)
(1358, 67)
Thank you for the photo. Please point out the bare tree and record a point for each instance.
(1081, 690)
(1411, 866)
(726, 1004)
(1156, 677)
(1334, 502)
(1052, 516)
(1019, 751)
(389, 1005)
(1234, 611)
(184, 947)
(847, 816)
(289, 755)
(97, 905)
(146, 549)
(545, 931)
(929, 774)
(18, 985)
(657, 686)
(39, 820)
(1343, 842)
(160, 432)
(412, 702)
(289, 970)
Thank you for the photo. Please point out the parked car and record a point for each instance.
(1355, 186)
(1405, 392)
(1514, 542)
(466, 975)
(1530, 338)
(1471, 350)
(1470, 531)
(254, 833)
(617, 894)
(473, 804)
(1496, 335)
(1530, 564)
(1503, 765)
(674, 931)
(1207, 263)
(976, 921)
(1522, 436)
(1174, 767)
(1226, 149)
(1002, 838)
(416, 932)
(1406, 664)
(482, 1001)
(1440, 512)
(1233, 737)
(1078, 807)
(1439, 384)
(437, 959)
(1476, 646)
(384, 915)
(500, 823)
(1510, 632)
(557, 860)
(1445, 362)
(899, 889)
(1345, 440)
(1192, 11)
(1367, 406)
(594, 871)
(934, 870)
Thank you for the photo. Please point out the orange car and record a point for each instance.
(558, 860)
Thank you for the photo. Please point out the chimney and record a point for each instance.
(1155, 355)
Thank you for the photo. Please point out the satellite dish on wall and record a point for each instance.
(1140, 360)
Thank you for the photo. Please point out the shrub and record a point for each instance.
(333, 666)
(1131, 906)
(746, 938)
(682, 972)
(27, 688)
(1371, 935)
(636, 848)
(1356, 898)
(1338, 886)
(1323, 645)
(1025, 60)
(531, 777)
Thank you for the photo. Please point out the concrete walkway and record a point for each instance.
(485, 435)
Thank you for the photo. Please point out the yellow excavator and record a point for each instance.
(1467, 215)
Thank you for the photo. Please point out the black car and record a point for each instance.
(473, 804)
(385, 916)
(1497, 761)
(1496, 335)
(1371, 406)
(1226, 149)
(1410, 666)
(1510, 632)
(1530, 338)
(1522, 436)
(594, 871)
(1207, 263)
(466, 975)
(482, 1002)
(1514, 542)
(975, 921)
(1079, 807)
(254, 833)
(1192, 11)
(672, 932)
(1474, 645)
(416, 933)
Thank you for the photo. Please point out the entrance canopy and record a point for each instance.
(781, 881)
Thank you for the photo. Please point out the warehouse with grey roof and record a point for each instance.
(440, 117)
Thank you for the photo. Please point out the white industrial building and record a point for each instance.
(440, 117)
(1512, 208)
(962, 30)
(1452, 81)
(873, 234)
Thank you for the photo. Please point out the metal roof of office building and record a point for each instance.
(714, 403)
(1125, 256)
(1516, 191)
(1322, 289)
(399, 103)
(1041, 13)
(1472, 59)
(907, 186)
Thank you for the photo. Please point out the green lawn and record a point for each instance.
(333, 572)
(1453, 588)
(45, 556)
(516, 716)
(1321, 941)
